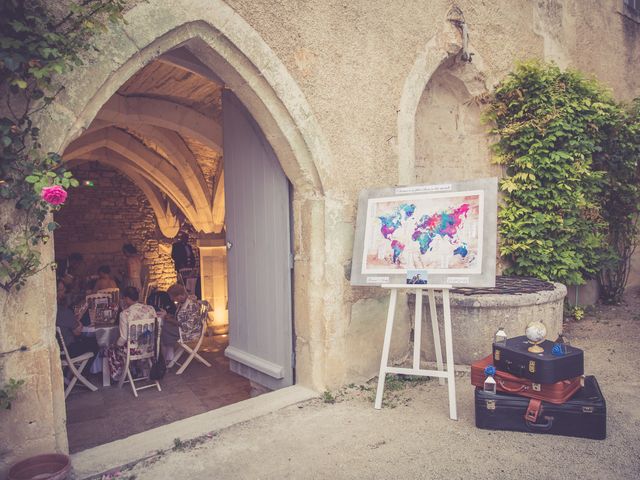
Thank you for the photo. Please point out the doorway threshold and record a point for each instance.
(96, 461)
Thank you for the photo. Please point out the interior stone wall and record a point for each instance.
(96, 221)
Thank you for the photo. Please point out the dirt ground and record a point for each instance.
(412, 436)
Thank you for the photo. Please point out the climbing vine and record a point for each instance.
(555, 131)
(36, 45)
(620, 158)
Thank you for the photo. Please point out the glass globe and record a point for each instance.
(536, 332)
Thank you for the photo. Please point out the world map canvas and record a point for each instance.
(439, 232)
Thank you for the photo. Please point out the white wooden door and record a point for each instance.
(258, 252)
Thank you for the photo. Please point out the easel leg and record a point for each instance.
(385, 348)
(433, 313)
(417, 330)
(451, 378)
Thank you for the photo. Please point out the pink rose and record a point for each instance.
(55, 195)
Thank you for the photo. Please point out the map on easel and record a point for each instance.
(448, 230)
(438, 232)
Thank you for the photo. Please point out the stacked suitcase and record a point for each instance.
(538, 392)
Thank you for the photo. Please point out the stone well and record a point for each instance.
(476, 314)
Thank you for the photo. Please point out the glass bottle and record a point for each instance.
(500, 337)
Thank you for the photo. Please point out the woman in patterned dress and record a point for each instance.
(187, 318)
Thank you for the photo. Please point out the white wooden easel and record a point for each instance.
(449, 373)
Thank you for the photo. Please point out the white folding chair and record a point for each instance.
(76, 366)
(113, 292)
(146, 290)
(189, 277)
(142, 344)
(191, 332)
(99, 304)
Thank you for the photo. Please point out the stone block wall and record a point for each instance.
(96, 221)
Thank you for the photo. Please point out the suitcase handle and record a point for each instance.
(541, 426)
(504, 386)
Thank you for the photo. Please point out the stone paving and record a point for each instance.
(94, 418)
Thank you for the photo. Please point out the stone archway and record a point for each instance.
(439, 57)
(226, 44)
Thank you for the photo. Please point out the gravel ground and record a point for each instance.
(412, 436)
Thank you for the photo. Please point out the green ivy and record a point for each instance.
(35, 46)
(550, 124)
(620, 158)
(8, 393)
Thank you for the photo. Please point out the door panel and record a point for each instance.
(258, 230)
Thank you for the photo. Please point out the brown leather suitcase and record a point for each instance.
(558, 392)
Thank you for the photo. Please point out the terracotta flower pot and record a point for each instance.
(51, 466)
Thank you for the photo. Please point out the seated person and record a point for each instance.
(187, 315)
(104, 279)
(71, 328)
(132, 310)
(74, 273)
(161, 300)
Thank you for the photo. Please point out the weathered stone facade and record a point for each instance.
(339, 90)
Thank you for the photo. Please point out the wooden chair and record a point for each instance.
(142, 344)
(75, 365)
(113, 292)
(192, 332)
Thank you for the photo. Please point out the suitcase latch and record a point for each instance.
(491, 404)
(532, 366)
(533, 410)
(535, 387)
(496, 354)
(587, 409)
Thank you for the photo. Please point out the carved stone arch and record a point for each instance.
(227, 45)
(148, 163)
(163, 113)
(177, 151)
(168, 223)
(128, 166)
(443, 49)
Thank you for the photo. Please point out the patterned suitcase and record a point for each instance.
(514, 358)
(585, 415)
(558, 392)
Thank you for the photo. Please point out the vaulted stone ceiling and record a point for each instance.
(163, 130)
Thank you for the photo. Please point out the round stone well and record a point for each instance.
(476, 314)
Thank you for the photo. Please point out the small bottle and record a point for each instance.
(500, 337)
(490, 384)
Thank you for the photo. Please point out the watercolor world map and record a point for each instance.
(438, 232)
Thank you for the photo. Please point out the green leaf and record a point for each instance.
(31, 179)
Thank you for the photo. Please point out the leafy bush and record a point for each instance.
(620, 199)
(35, 46)
(551, 125)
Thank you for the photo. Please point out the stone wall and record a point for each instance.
(96, 221)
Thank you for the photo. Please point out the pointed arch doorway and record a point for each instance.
(155, 152)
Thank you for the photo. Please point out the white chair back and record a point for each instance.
(142, 341)
(102, 309)
(193, 327)
(113, 292)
